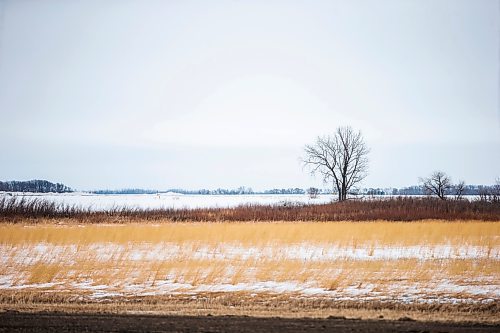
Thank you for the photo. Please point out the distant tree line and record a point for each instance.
(420, 190)
(36, 185)
(125, 191)
(479, 190)
(285, 191)
(218, 191)
(485, 192)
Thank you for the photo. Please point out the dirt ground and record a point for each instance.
(13, 321)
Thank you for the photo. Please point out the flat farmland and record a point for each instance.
(262, 268)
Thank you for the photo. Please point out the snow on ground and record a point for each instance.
(442, 291)
(103, 252)
(99, 202)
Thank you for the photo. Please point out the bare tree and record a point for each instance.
(341, 158)
(484, 193)
(490, 193)
(438, 184)
(459, 189)
(494, 191)
(313, 192)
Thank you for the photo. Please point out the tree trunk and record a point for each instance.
(344, 192)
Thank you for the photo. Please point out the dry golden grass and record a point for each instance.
(330, 275)
(355, 234)
(122, 259)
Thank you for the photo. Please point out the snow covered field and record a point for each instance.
(169, 200)
(98, 202)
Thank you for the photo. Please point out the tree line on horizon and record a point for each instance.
(43, 186)
(35, 185)
(313, 191)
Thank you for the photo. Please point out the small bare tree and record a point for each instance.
(313, 192)
(459, 189)
(484, 193)
(341, 158)
(490, 193)
(495, 191)
(437, 184)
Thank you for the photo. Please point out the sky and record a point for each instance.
(208, 94)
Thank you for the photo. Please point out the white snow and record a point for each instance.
(443, 291)
(51, 253)
(97, 202)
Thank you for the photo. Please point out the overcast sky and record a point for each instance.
(206, 94)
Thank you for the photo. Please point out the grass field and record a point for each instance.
(426, 263)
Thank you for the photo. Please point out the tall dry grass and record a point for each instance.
(121, 256)
(389, 277)
(362, 234)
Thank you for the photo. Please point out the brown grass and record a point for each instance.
(263, 305)
(15, 210)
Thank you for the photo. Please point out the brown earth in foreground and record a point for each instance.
(12, 321)
(41, 312)
(246, 304)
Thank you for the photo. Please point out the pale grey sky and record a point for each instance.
(192, 94)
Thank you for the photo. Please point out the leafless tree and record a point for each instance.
(490, 193)
(340, 158)
(313, 192)
(437, 184)
(495, 191)
(484, 193)
(459, 189)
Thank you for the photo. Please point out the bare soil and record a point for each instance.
(13, 321)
